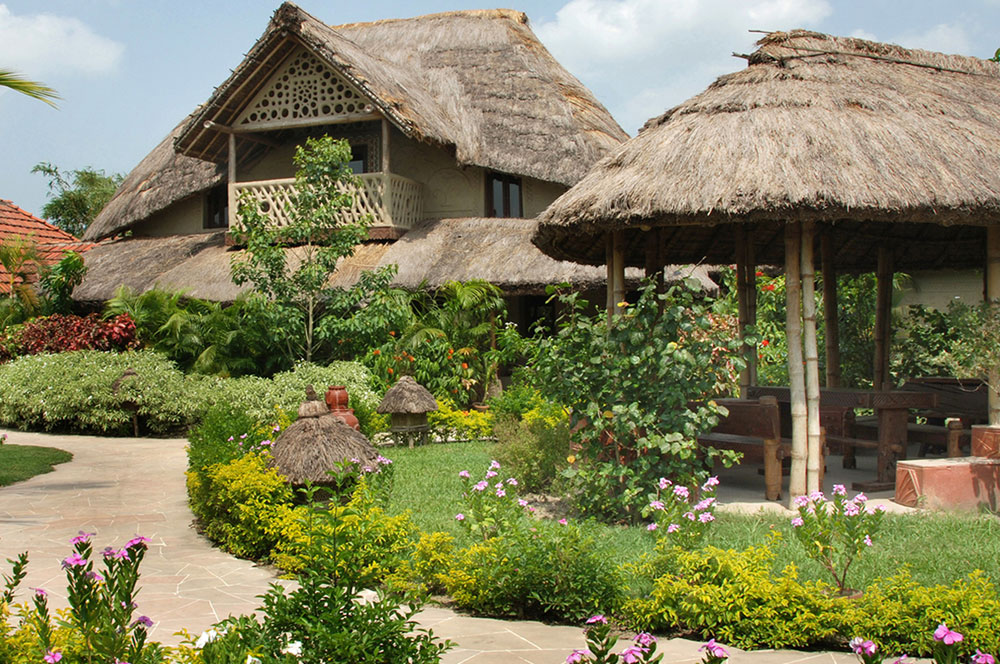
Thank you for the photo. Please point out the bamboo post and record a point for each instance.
(743, 305)
(883, 311)
(992, 296)
(615, 261)
(814, 446)
(231, 184)
(797, 384)
(830, 312)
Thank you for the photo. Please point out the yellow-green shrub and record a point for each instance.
(465, 424)
(732, 596)
(428, 564)
(900, 615)
(238, 504)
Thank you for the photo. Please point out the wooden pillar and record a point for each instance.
(746, 297)
(830, 311)
(231, 185)
(385, 145)
(655, 261)
(615, 260)
(814, 446)
(883, 319)
(992, 296)
(797, 385)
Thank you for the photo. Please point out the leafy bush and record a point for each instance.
(240, 505)
(455, 424)
(61, 333)
(640, 389)
(733, 597)
(550, 571)
(427, 565)
(226, 433)
(533, 450)
(76, 390)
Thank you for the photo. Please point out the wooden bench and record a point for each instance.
(753, 427)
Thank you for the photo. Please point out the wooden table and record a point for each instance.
(892, 408)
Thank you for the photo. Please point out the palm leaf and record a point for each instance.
(9, 79)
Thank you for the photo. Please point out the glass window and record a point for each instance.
(503, 194)
(217, 208)
(359, 159)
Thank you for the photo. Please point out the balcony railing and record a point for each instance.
(390, 199)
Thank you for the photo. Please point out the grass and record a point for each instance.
(20, 462)
(938, 548)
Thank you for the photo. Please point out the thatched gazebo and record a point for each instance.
(889, 157)
(408, 403)
(317, 443)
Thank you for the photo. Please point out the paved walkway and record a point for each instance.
(121, 487)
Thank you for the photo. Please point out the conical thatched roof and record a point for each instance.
(478, 82)
(407, 396)
(312, 446)
(162, 178)
(884, 144)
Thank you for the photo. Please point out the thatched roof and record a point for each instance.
(161, 179)
(407, 396)
(477, 82)
(882, 144)
(198, 264)
(312, 446)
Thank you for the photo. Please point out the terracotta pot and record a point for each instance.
(336, 400)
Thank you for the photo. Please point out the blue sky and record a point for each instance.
(129, 70)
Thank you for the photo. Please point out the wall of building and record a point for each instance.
(938, 288)
(182, 218)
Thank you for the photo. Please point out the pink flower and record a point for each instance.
(689, 516)
(645, 640)
(480, 486)
(463, 473)
(851, 509)
(817, 495)
(52, 656)
(862, 647)
(41, 592)
(651, 527)
(277, 428)
(797, 522)
(839, 490)
(709, 483)
(705, 517)
(522, 502)
(860, 498)
(81, 538)
(491, 473)
(801, 501)
(664, 483)
(494, 464)
(501, 493)
(681, 491)
(599, 618)
(143, 620)
(138, 539)
(947, 636)
(511, 481)
(459, 517)
(704, 504)
(75, 560)
(243, 437)
(673, 528)
(714, 649)
(983, 658)
(95, 576)
(577, 656)
(657, 505)
(632, 654)
(868, 540)
(563, 522)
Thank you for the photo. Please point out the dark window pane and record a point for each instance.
(498, 198)
(515, 198)
(359, 157)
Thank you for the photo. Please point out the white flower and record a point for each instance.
(206, 637)
(293, 648)
(253, 660)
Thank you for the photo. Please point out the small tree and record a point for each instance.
(78, 195)
(320, 233)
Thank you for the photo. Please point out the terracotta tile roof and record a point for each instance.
(51, 241)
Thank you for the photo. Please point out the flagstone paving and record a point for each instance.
(122, 487)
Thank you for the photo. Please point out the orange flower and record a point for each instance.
(376, 352)
(392, 333)
(464, 365)
(765, 343)
(391, 371)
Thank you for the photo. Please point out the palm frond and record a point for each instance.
(13, 81)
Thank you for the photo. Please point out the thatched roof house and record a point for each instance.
(457, 115)
(407, 396)
(311, 447)
(883, 144)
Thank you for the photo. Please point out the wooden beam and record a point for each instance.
(308, 122)
(883, 323)
(814, 447)
(993, 295)
(385, 145)
(830, 311)
(797, 383)
(231, 184)
(215, 126)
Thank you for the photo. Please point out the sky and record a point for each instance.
(129, 70)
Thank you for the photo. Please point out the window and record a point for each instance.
(503, 195)
(217, 208)
(359, 159)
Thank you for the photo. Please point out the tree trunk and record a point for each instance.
(793, 329)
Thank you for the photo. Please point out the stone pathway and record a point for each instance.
(122, 487)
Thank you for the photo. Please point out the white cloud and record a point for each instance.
(653, 54)
(43, 44)
(941, 37)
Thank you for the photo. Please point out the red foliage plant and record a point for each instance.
(59, 333)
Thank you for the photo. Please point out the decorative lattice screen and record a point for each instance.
(303, 89)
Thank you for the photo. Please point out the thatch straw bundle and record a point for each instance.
(871, 138)
(407, 396)
(312, 446)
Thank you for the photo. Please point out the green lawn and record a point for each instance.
(937, 547)
(20, 462)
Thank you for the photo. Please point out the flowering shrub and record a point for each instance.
(946, 650)
(491, 504)
(600, 642)
(835, 532)
(454, 424)
(61, 333)
(681, 514)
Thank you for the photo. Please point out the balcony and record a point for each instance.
(390, 199)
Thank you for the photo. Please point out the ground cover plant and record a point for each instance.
(21, 462)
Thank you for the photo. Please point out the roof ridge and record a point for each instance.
(498, 13)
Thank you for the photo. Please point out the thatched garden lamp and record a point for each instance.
(408, 403)
(888, 157)
(317, 443)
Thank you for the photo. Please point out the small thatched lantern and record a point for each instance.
(316, 443)
(408, 403)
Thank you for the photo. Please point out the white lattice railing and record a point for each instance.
(390, 199)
